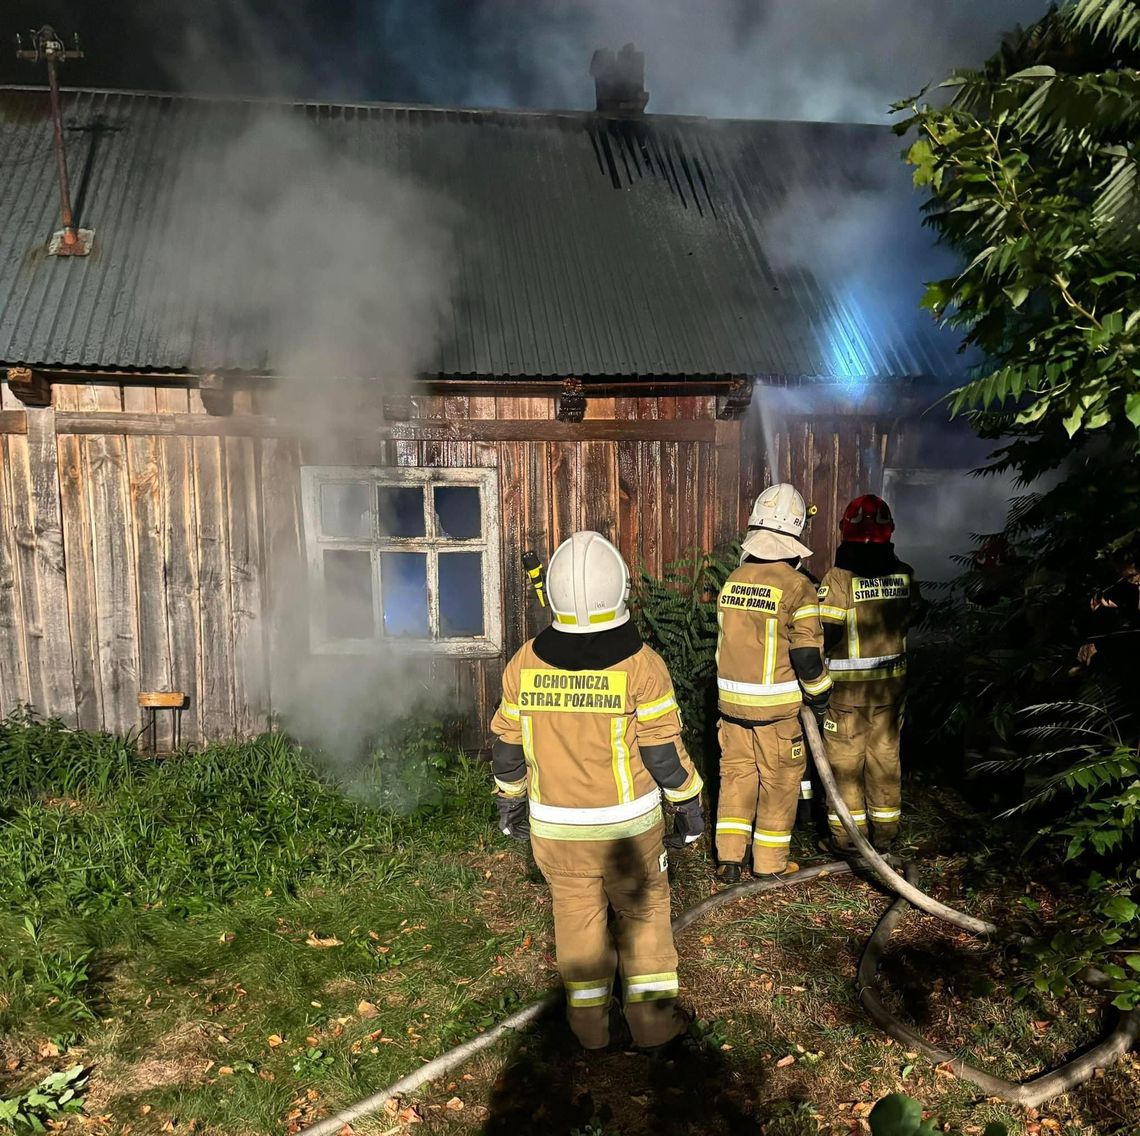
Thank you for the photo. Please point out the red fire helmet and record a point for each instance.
(867, 520)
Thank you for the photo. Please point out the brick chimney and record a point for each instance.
(619, 80)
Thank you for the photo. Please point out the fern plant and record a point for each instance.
(676, 615)
(1085, 760)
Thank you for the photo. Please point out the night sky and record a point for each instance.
(819, 59)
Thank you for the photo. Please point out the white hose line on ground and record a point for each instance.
(1033, 1092)
(1030, 1093)
(453, 1058)
(883, 870)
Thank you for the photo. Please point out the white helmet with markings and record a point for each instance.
(587, 585)
(776, 524)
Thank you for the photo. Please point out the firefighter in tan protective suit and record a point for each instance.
(867, 602)
(769, 662)
(589, 739)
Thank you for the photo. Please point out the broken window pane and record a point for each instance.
(458, 514)
(401, 510)
(346, 508)
(348, 595)
(460, 594)
(403, 585)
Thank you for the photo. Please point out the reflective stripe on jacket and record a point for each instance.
(764, 611)
(868, 662)
(583, 734)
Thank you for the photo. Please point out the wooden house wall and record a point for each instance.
(147, 545)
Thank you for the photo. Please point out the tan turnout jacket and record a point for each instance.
(765, 611)
(582, 734)
(868, 665)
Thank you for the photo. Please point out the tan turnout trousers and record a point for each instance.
(600, 749)
(863, 748)
(760, 772)
(765, 611)
(631, 877)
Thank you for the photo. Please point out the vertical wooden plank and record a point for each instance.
(172, 400)
(14, 683)
(251, 665)
(115, 589)
(284, 584)
(670, 544)
(727, 519)
(565, 493)
(148, 490)
(512, 503)
(64, 396)
(138, 399)
(537, 532)
(215, 607)
(599, 488)
(41, 567)
(629, 503)
(8, 401)
(78, 541)
(180, 556)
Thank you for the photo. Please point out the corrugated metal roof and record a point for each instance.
(584, 245)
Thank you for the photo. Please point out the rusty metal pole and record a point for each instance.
(46, 45)
(69, 236)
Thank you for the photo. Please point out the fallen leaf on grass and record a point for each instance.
(225, 1071)
(411, 1115)
(322, 942)
(49, 1049)
(12, 1064)
(455, 1105)
(274, 1040)
(706, 939)
(366, 1009)
(784, 1062)
(226, 937)
(145, 1109)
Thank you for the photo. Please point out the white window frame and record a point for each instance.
(487, 544)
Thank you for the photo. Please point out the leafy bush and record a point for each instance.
(39, 1108)
(676, 615)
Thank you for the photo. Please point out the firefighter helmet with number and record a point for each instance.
(587, 585)
(776, 524)
(867, 520)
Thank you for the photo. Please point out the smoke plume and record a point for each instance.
(337, 271)
(797, 59)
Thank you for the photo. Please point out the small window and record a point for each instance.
(403, 555)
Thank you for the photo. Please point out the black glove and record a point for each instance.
(819, 709)
(688, 825)
(514, 817)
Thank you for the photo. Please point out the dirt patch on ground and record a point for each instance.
(180, 1057)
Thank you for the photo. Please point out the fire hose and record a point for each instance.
(1028, 1093)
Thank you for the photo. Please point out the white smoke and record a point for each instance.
(306, 257)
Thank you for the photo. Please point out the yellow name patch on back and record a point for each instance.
(895, 587)
(751, 597)
(573, 692)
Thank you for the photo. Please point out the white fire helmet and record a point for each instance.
(587, 584)
(776, 523)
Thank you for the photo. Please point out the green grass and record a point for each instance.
(160, 916)
(200, 934)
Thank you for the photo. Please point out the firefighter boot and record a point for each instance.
(728, 873)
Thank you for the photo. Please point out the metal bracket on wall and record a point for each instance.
(32, 388)
(570, 404)
(736, 402)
